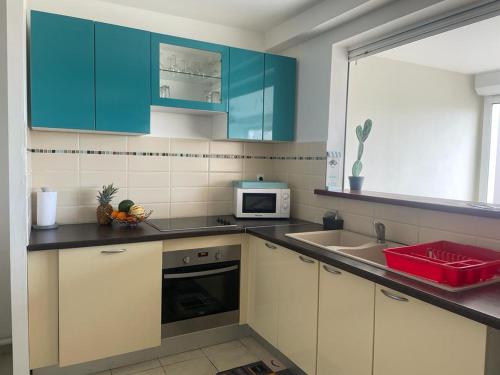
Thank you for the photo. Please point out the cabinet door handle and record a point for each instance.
(394, 296)
(331, 270)
(306, 260)
(115, 251)
(271, 246)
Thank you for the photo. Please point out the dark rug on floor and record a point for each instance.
(257, 368)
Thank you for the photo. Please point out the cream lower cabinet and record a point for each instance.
(298, 309)
(263, 289)
(414, 338)
(345, 323)
(109, 301)
(283, 301)
(43, 308)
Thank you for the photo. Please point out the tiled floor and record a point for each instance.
(205, 361)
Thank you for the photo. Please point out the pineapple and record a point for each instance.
(105, 209)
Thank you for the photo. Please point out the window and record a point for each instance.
(490, 164)
(494, 171)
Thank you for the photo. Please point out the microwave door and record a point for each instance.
(259, 203)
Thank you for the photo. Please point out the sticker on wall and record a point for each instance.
(334, 170)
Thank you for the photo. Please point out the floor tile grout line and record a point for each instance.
(212, 363)
(208, 358)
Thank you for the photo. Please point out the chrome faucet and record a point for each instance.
(380, 231)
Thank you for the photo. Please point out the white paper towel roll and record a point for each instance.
(46, 203)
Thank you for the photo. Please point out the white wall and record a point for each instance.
(180, 125)
(426, 129)
(488, 83)
(5, 325)
(313, 90)
(16, 209)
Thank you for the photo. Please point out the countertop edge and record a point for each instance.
(161, 236)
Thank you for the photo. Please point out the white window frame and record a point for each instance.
(484, 171)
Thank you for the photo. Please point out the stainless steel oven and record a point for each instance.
(201, 289)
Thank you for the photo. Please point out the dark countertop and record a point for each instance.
(481, 304)
(83, 235)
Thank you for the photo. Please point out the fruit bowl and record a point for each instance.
(131, 221)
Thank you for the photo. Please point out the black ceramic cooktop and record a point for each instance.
(201, 222)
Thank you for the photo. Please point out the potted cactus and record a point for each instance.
(362, 133)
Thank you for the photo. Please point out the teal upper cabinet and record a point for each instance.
(188, 74)
(61, 72)
(86, 75)
(279, 98)
(246, 94)
(261, 96)
(122, 85)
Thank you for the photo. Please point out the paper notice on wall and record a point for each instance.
(334, 168)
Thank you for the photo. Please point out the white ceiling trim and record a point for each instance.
(255, 15)
(304, 23)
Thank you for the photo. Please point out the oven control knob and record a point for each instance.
(186, 260)
(218, 256)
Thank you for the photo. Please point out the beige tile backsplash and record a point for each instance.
(190, 184)
(193, 185)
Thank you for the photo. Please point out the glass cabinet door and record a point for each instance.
(188, 74)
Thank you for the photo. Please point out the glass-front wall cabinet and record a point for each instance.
(189, 74)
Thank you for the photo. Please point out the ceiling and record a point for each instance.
(470, 49)
(257, 15)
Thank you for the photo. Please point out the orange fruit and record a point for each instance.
(114, 214)
(121, 216)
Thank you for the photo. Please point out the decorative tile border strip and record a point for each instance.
(172, 154)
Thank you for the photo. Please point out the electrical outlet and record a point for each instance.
(260, 177)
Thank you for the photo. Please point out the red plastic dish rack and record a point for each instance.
(445, 262)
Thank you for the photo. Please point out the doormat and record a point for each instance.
(257, 368)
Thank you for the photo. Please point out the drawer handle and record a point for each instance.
(394, 296)
(115, 251)
(270, 246)
(331, 270)
(306, 260)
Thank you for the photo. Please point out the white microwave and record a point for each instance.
(261, 199)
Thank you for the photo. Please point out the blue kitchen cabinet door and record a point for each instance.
(179, 66)
(61, 72)
(246, 94)
(280, 80)
(122, 79)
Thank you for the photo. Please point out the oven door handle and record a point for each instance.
(200, 273)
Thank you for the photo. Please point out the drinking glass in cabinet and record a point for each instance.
(165, 91)
(213, 97)
(190, 74)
